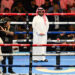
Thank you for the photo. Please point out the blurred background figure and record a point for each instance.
(68, 5)
(6, 10)
(55, 8)
(19, 9)
(47, 5)
(55, 18)
(6, 4)
(40, 2)
(21, 37)
(32, 7)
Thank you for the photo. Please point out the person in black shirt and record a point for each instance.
(32, 6)
(71, 37)
(47, 5)
(55, 18)
(9, 33)
(62, 36)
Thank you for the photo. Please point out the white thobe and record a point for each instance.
(1, 57)
(39, 26)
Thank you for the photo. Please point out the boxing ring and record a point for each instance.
(55, 65)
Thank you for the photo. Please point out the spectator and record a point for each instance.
(6, 4)
(56, 1)
(32, 7)
(6, 10)
(21, 36)
(71, 37)
(55, 8)
(68, 5)
(19, 9)
(55, 18)
(62, 36)
(21, 28)
(40, 2)
(47, 5)
(71, 28)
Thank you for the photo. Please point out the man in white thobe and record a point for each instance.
(40, 28)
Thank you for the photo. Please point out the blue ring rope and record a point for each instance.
(37, 65)
(52, 32)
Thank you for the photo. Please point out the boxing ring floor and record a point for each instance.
(24, 60)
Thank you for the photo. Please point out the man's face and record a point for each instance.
(7, 24)
(56, 6)
(33, 2)
(20, 5)
(41, 12)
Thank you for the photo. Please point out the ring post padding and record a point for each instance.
(58, 58)
(27, 32)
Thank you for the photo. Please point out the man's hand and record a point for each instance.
(2, 29)
(9, 33)
(42, 34)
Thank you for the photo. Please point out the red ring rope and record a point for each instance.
(31, 14)
(37, 45)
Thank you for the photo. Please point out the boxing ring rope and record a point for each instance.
(36, 55)
(50, 54)
(32, 14)
(49, 23)
(37, 65)
(51, 32)
(50, 41)
(36, 45)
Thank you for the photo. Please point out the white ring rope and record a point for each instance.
(55, 41)
(48, 54)
(61, 23)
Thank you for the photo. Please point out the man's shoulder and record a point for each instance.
(36, 16)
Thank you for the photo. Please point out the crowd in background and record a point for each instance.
(22, 6)
(30, 6)
(50, 6)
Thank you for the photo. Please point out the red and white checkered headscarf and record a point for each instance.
(44, 16)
